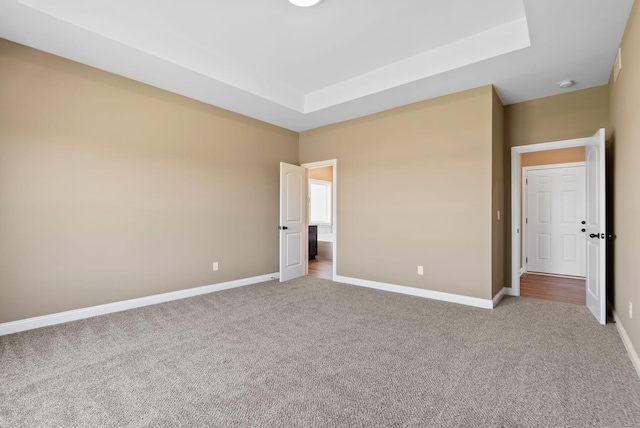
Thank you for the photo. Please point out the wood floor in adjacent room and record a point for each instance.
(554, 288)
(321, 268)
(537, 286)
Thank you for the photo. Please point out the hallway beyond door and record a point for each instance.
(554, 288)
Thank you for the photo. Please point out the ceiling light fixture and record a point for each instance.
(566, 84)
(304, 3)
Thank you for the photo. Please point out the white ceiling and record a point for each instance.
(301, 68)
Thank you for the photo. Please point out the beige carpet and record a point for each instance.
(315, 353)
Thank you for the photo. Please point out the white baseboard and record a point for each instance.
(509, 291)
(499, 296)
(77, 314)
(419, 292)
(633, 355)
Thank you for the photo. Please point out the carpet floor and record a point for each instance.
(311, 352)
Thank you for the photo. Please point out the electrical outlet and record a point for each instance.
(498, 215)
(630, 310)
(420, 270)
(215, 265)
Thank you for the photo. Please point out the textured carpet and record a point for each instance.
(311, 352)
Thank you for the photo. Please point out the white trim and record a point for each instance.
(319, 164)
(510, 292)
(524, 197)
(328, 185)
(419, 292)
(515, 198)
(334, 164)
(92, 311)
(562, 144)
(633, 355)
(499, 296)
(553, 166)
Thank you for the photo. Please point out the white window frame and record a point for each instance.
(328, 202)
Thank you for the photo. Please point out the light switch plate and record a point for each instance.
(617, 65)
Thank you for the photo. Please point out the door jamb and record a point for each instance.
(516, 250)
(334, 213)
(524, 192)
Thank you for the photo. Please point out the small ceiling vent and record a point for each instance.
(566, 84)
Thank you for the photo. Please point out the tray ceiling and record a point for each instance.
(301, 68)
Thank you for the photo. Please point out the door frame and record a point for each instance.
(334, 209)
(524, 192)
(516, 215)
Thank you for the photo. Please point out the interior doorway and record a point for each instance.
(593, 226)
(322, 218)
(553, 216)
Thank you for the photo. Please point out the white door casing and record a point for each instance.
(596, 233)
(293, 230)
(555, 208)
(334, 203)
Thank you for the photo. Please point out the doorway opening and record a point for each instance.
(553, 239)
(321, 215)
(591, 228)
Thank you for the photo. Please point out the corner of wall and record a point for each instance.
(498, 224)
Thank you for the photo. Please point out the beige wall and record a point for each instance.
(561, 117)
(549, 157)
(497, 204)
(324, 173)
(111, 189)
(415, 189)
(625, 120)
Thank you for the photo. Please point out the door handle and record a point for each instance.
(283, 227)
(596, 235)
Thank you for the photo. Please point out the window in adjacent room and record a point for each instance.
(320, 195)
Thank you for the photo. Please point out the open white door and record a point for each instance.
(596, 234)
(293, 236)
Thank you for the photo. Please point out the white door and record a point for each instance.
(596, 245)
(293, 234)
(553, 222)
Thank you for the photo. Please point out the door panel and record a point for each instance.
(544, 208)
(595, 225)
(569, 201)
(569, 248)
(293, 250)
(292, 221)
(544, 246)
(294, 189)
(556, 207)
